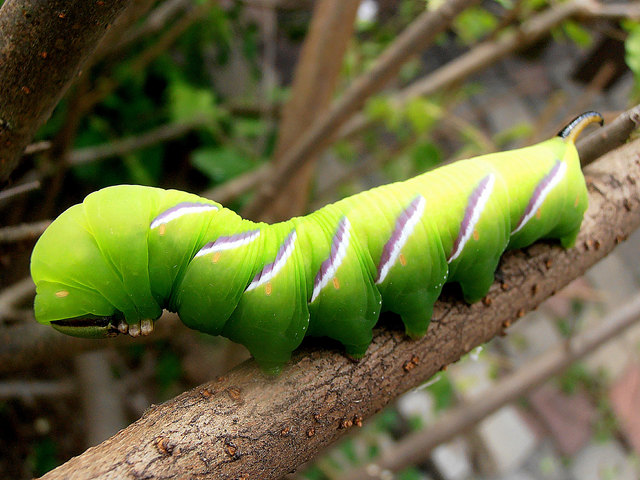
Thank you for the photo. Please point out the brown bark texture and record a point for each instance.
(43, 44)
(246, 425)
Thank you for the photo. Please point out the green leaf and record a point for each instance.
(577, 33)
(516, 132)
(425, 155)
(443, 393)
(421, 114)
(220, 163)
(187, 102)
(44, 456)
(168, 369)
(473, 24)
(632, 49)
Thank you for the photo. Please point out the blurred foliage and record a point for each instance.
(179, 86)
(632, 48)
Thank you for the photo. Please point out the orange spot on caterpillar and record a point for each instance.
(336, 283)
(216, 257)
(575, 204)
(538, 214)
(476, 235)
(403, 260)
(162, 229)
(62, 294)
(267, 289)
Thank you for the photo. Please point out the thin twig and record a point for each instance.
(124, 146)
(416, 447)
(25, 231)
(102, 406)
(37, 147)
(235, 187)
(157, 19)
(19, 190)
(29, 390)
(25, 345)
(15, 294)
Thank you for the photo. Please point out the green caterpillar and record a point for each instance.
(111, 264)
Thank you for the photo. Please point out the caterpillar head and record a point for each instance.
(110, 264)
(81, 288)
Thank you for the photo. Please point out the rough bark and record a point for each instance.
(244, 425)
(43, 44)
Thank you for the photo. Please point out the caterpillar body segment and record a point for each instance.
(137, 250)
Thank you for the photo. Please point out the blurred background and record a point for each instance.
(206, 96)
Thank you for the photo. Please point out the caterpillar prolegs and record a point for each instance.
(111, 264)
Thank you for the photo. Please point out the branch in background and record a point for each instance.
(235, 187)
(247, 426)
(157, 19)
(485, 54)
(37, 147)
(25, 231)
(479, 57)
(123, 146)
(102, 407)
(415, 37)
(14, 295)
(125, 23)
(416, 447)
(42, 47)
(9, 193)
(316, 76)
(28, 390)
(26, 345)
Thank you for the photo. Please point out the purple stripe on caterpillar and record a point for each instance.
(546, 185)
(405, 224)
(184, 208)
(477, 202)
(229, 242)
(330, 266)
(271, 270)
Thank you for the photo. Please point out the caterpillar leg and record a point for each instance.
(417, 322)
(345, 303)
(476, 285)
(272, 317)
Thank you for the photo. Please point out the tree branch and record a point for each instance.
(416, 447)
(123, 146)
(247, 426)
(43, 44)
